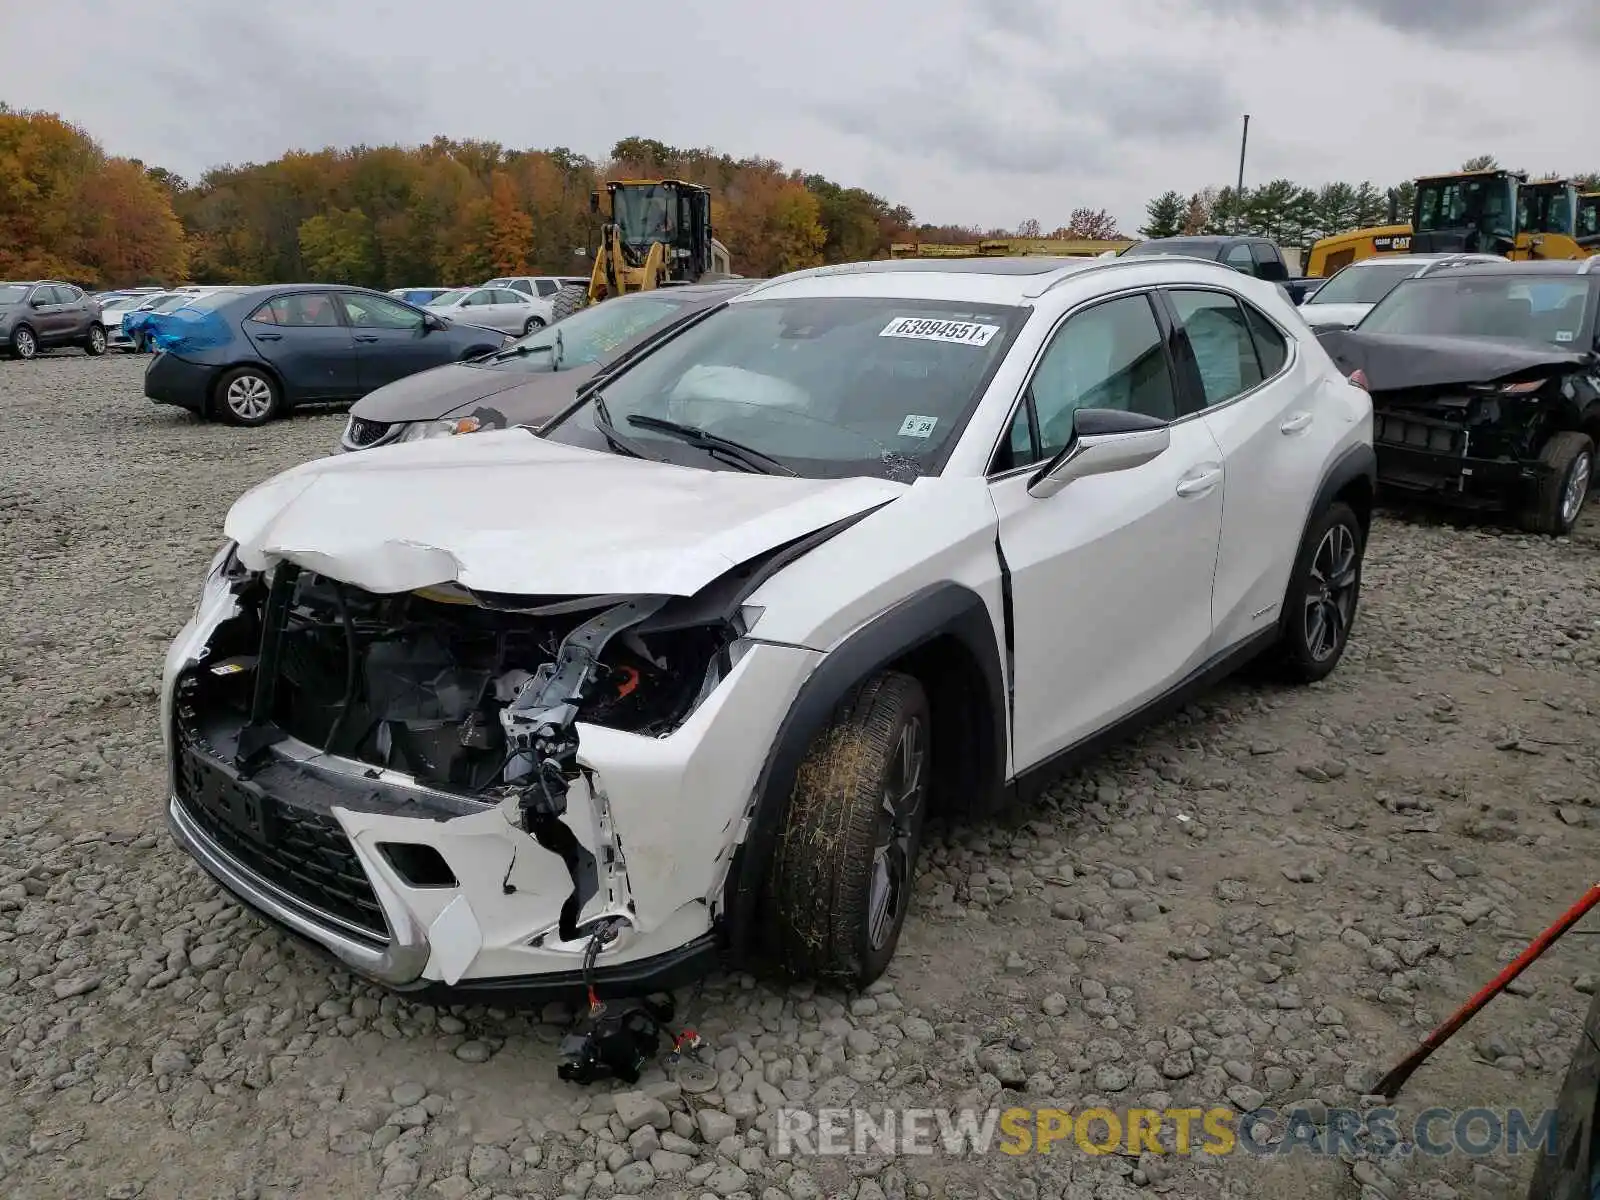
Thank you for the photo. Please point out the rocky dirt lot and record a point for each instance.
(1260, 902)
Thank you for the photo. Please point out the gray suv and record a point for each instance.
(35, 316)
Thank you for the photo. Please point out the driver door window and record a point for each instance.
(379, 312)
(1240, 259)
(1109, 356)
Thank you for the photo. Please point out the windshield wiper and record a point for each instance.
(556, 350)
(602, 422)
(747, 457)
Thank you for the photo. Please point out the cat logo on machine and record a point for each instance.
(1392, 244)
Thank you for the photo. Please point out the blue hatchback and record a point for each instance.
(248, 354)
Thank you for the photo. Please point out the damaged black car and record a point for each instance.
(1485, 386)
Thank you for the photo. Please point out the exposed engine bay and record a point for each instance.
(475, 696)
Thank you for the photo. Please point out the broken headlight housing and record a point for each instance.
(417, 431)
(216, 575)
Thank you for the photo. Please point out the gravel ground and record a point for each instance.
(1260, 902)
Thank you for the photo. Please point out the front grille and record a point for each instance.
(362, 433)
(1435, 437)
(303, 853)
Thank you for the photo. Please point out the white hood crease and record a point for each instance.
(509, 512)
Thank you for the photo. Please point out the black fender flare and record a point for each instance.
(1355, 463)
(935, 611)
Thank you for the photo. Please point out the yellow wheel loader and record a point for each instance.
(1485, 212)
(657, 232)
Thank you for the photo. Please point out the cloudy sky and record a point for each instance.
(980, 111)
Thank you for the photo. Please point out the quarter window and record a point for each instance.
(1109, 356)
(1220, 338)
(547, 287)
(507, 297)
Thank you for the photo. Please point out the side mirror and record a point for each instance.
(1104, 440)
(37, 302)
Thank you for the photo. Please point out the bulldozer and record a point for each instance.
(1486, 212)
(656, 233)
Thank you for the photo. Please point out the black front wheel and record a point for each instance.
(1568, 462)
(1324, 591)
(840, 881)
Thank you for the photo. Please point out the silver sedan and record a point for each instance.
(498, 308)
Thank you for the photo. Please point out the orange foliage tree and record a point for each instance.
(69, 211)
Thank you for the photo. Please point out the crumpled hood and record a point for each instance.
(433, 393)
(512, 513)
(1394, 362)
(1344, 316)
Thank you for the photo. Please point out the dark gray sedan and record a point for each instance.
(247, 354)
(534, 378)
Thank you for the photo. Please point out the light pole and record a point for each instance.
(1238, 192)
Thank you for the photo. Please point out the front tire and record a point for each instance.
(1554, 508)
(1324, 592)
(24, 343)
(248, 396)
(94, 345)
(841, 875)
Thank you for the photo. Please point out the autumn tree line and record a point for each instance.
(459, 212)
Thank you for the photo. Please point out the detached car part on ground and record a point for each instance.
(1485, 384)
(249, 354)
(43, 314)
(680, 677)
(534, 378)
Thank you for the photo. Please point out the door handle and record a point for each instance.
(1198, 483)
(1297, 422)
(366, 337)
(269, 337)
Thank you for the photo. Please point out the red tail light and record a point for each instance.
(1358, 378)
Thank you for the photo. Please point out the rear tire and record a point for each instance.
(1555, 507)
(533, 323)
(841, 876)
(24, 343)
(1324, 592)
(247, 396)
(94, 344)
(566, 302)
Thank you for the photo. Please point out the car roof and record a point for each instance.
(1379, 260)
(980, 280)
(1200, 239)
(1543, 266)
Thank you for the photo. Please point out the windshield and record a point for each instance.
(1471, 202)
(448, 298)
(644, 212)
(1549, 308)
(830, 386)
(587, 336)
(1362, 285)
(1545, 209)
(12, 293)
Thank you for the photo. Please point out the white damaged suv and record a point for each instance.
(678, 677)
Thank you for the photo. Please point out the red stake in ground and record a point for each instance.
(1389, 1086)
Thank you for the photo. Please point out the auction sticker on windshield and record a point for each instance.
(925, 329)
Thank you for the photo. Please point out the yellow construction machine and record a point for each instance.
(656, 232)
(1487, 212)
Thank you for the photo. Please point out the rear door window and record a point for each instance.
(547, 287)
(300, 310)
(1240, 259)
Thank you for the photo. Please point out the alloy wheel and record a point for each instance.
(24, 344)
(249, 397)
(97, 341)
(892, 860)
(1331, 593)
(1576, 490)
